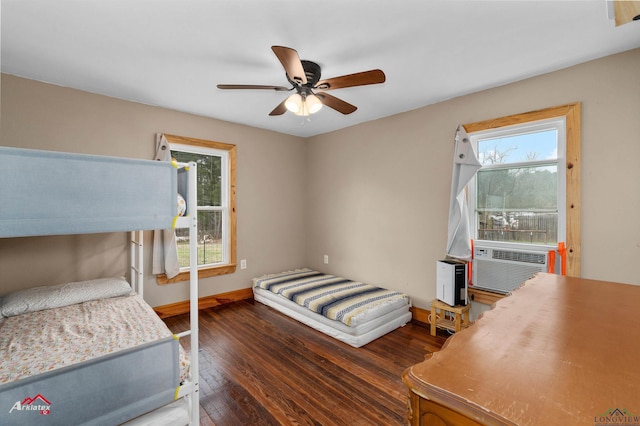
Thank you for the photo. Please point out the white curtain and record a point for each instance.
(465, 166)
(165, 249)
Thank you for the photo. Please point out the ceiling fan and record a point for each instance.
(310, 92)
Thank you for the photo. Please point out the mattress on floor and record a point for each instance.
(349, 311)
(98, 362)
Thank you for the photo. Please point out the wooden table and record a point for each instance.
(558, 351)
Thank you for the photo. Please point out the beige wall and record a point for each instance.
(270, 187)
(373, 197)
(378, 193)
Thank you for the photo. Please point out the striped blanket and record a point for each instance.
(334, 297)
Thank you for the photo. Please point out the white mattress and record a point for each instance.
(357, 336)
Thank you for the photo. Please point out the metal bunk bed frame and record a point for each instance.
(24, 184)
(190, 221)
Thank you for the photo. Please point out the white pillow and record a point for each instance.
(48, 297)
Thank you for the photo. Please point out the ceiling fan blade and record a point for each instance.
(291, 62)
(351, 80)
(279, 110)
(254, 86)
(337, 104)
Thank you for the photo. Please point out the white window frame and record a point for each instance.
(224, 196)
(558, 124)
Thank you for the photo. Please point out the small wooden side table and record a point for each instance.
(461, 316)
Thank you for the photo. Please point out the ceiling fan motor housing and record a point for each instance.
(311, 71)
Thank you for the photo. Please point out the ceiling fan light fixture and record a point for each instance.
(294, 103)
(303, 104)
(313, 104)
(304, 111)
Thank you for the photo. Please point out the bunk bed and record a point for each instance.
(352, 312)
(56, 372)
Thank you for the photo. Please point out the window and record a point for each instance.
(518, 195)
(216, 206)
(528, 189)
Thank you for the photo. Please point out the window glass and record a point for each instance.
(210, 208)
(518, 204)
(519, 148)
(517, 190)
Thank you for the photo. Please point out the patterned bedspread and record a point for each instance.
(41, 341)
(334, 297)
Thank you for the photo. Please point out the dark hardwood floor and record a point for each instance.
(259, 367)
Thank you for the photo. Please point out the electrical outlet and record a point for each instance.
(243, 264)
(326, 259)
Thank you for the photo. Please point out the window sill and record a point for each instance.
(202, 273)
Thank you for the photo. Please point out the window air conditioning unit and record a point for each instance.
(503, 270)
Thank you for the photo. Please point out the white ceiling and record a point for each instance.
(173, 53)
